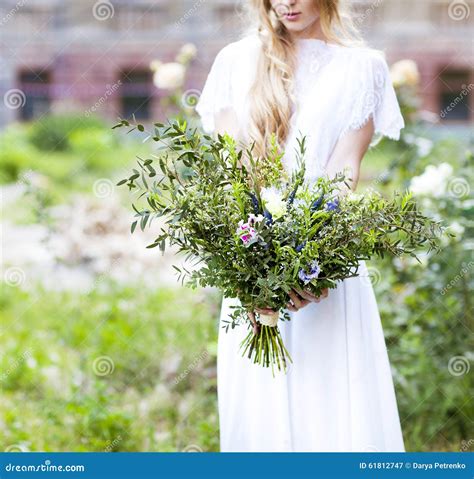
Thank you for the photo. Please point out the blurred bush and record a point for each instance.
(426, 307)
(52, 133)
(69, 150)
(118, 369)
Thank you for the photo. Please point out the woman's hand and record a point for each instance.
(301, 298)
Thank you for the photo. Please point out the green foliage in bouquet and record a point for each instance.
(258, 232)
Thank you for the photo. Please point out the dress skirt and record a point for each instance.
(337, 395)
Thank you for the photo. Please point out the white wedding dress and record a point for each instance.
(338, 393)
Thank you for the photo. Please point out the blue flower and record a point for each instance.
(333, 205)
(300, 247)
(291, 198)
(268, 216)
(317, 204)
(314, 272)
(254, 203)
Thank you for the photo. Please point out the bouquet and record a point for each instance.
(257, 231)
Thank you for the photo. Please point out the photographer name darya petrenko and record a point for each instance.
(438, 465)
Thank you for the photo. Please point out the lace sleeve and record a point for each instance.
(216, 94)
(374, 97)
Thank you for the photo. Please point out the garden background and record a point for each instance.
(101, 348)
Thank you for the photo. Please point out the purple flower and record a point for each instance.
(333, 205)
(300, 247)
(317, 203)
(247, 234)
(246, 231)
(314, 271)
(255, 204)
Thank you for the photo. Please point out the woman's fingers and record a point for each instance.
(306, 294)
(324, 293)
(301, 298)
(290, 307)
(251, 316)
(298, 302)
(311, 297)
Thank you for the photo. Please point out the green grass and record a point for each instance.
(161, 393)
(160, 396)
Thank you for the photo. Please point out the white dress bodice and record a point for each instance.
(337, 88)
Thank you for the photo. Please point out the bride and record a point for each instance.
(302, 70)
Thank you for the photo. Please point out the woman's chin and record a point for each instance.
(296, 27)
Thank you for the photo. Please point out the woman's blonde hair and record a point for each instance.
(272, 98)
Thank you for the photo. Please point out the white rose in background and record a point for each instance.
(187, 53)
(456, 228)
(433, 181)
(424, 146)
(169, 76)
(405, 73)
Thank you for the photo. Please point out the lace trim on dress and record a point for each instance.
(374, 97)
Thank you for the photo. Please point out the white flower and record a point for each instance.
(404, 72)
(254, 219)
(187, 53)
(353, 197)
(456, 228)
(269, 319)
(154, 65)
(169, 76)
(274, 202)
(424, 146)
(433, 181)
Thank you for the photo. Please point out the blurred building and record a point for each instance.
(94, 56)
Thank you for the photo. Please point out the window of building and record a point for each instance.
(136, 94)
(456, 95)
(36, 87)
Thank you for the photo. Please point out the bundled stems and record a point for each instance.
(266, 347)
